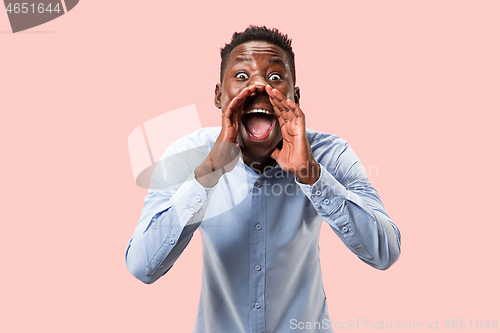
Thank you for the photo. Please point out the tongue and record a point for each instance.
(258, 125)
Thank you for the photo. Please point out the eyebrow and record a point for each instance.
(237, 60)
(277, 61)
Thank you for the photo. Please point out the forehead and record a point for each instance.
(257, 49)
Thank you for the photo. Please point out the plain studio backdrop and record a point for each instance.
(413, 86)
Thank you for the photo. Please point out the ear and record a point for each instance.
(296, 94)
(217, 99)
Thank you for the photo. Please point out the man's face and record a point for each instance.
(256, 63)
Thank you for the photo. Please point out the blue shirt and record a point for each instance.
(260, 234)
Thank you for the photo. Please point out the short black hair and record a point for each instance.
(273, 36)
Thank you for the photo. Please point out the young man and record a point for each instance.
(258, 196)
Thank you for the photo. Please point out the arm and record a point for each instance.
(169, 218)
(175, 206)
(341, 193)
(345, 199)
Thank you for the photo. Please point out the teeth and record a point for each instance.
(259, 111)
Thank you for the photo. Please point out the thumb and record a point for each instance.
(275, 153)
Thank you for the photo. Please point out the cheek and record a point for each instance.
(225, 101)
(228, 95)
(285, 89)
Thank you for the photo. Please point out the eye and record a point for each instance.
(242, 76)
(275, 77)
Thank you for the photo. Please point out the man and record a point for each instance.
(258, 196)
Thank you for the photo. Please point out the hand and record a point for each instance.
(295, 156)
(224, 155)
(231, 117)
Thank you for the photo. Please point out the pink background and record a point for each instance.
(414, 86)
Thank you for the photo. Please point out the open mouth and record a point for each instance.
(258, 123)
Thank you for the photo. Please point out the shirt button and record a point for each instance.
(191, 210)
(326, 201)
(257, 267)
(258, 184)
(258, 227)
(345, 229)
(171, 241)
(318, 193)
(198, 199)
(257, 305)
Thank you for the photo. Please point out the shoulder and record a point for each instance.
(201, 138)
(322, 143)
(335, 154)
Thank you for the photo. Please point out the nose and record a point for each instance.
(260, 83)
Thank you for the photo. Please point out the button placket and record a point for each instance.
(257, 257)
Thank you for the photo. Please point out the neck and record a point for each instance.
(258, 165)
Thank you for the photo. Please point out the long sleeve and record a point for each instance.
(260, 233)
(165, 228)
(172, 211)
(346, 200)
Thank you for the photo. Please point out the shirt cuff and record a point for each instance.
(190, 201)
(327, 194)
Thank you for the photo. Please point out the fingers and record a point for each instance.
(285, 108)
(233, 111)
(295, 108)
(278, 107)
(232, 114)
(281, 120)
(275, 154)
